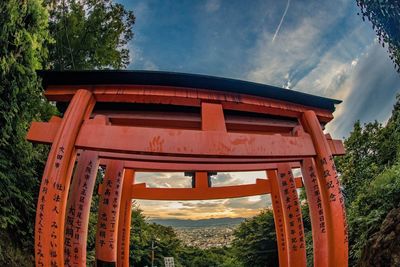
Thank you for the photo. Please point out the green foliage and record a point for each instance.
(255, 240)
(370, 176)
(369, 151)
(363, 159)
(89, 34)
(23, 36)
(385, 19)
(371, 206)
(96, 34)
(166, 243)
(196, 257)
(192, 256)
(12, 255)
(305, 212)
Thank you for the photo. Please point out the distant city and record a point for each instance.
(204, 234)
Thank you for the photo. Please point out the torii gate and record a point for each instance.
(146, 121)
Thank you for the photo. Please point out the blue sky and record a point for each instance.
(318, 47)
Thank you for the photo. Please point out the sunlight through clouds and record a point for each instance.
(317, 47)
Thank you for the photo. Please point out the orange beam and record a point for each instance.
(227, 167)
(181, 120)
(261, 187)
(189, 97)
(190, 142)
(152, 119)
(146, 160)
(44, 132)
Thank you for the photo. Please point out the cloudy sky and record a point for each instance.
(319, 47)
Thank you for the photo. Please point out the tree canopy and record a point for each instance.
(370, 175)
(34, 35)
(89, 34)
(385, 19)
(23, 37)
(255, 241)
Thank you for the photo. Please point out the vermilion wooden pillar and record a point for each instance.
(52, 200)
(331, 194)
(108, 215)
(294, 231)
(78, 208)
(124, 223)
(279, 220)
(318, 225)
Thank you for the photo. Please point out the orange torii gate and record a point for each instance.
(159, 121)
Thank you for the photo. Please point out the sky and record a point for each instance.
(320, 47)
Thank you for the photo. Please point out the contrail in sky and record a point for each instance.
(280, 23)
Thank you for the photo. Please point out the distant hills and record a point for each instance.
(179, 223)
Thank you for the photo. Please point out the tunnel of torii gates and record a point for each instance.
(130, 121)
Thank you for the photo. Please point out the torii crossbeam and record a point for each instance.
(160, 121)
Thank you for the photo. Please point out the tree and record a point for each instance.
(196, 257)
(370, 149)
(385, 19)
(89, 34)
(95, 33)
(370, 176)
(255, 240)
(370, 208)
(143, 234)
(23, 35)
(362, 159)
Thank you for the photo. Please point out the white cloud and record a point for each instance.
(237, 178)
(312, 54)
(368, 91)
(163, 179)
(237, 207)
(275, 61)
(333, 66)
(352, 68)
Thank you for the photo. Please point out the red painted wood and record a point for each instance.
(331, 194)
(279, 220)
(190, 142)
(52, 199)
(317, 216)
(108, 214)
(78, 208)
(295, 239)
(124, 223)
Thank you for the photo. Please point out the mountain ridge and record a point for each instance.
(186, 223)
